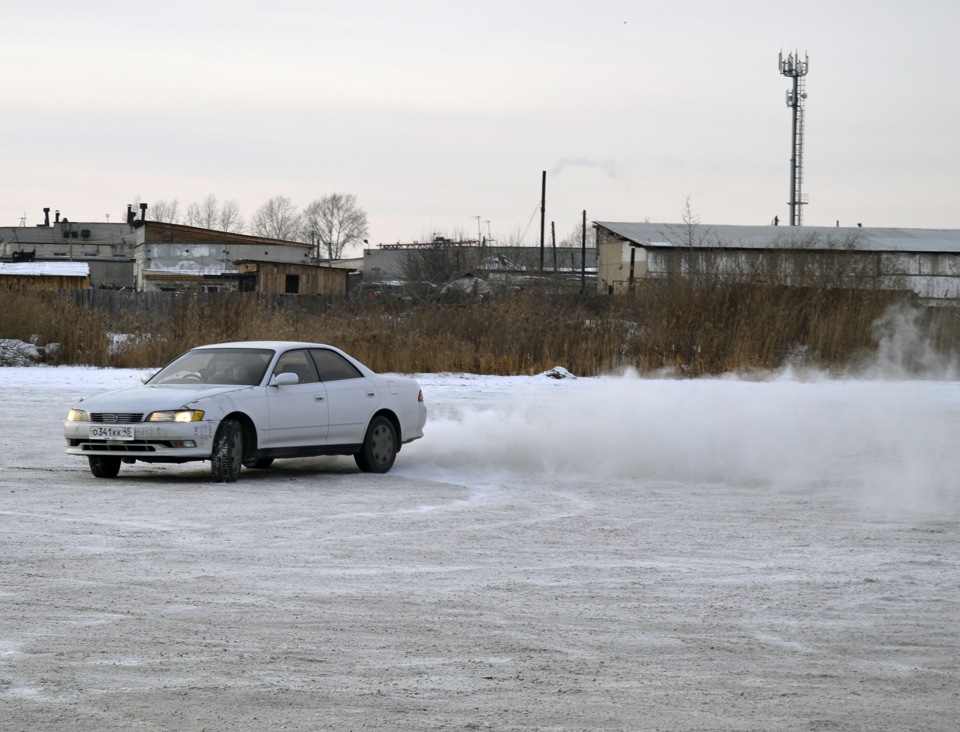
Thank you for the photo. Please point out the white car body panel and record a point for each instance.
(352, 402)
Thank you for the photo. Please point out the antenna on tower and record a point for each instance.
(793, 67)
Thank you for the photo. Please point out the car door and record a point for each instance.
(352, 398)
(297, 413)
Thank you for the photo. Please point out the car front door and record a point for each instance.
(298, 413)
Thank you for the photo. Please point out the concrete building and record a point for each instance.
(399, 264)
(922, 261)
(106, 248)
(144, 255)
(177, 257)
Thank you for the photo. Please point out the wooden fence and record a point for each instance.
(153, 305)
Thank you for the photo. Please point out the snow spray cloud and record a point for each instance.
(890, 443)
(905, 348)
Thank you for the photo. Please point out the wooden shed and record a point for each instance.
(281, 278)
(50, 276)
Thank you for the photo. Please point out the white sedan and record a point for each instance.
(245, 404)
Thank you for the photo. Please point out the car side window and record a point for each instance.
(297, 362)
(332, 366)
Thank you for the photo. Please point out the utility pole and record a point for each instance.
(583, 255)
(543, 216)
(792, 67)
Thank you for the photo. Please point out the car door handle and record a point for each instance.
(318, 397)
(371, 393)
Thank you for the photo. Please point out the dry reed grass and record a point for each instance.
(690, 328)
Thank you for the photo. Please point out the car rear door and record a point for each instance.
(352, 398)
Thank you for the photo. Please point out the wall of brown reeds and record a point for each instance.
(690, 328)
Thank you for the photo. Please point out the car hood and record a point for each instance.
(147, 399)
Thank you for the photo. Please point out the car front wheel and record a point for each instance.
(103, 466)
(227, 458)
(379, 448)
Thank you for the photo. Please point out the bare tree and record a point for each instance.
(574, 239)
(699, 262)
(230, 218)
(334, 222)
(569, 252)
(278, 218)
(514, 239)
(205, 214)
(165, 211)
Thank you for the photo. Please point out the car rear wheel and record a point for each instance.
(227, 458)
(379, 449)
(104, 466)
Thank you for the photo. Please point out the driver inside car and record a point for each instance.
(232, 373)
(239, 374)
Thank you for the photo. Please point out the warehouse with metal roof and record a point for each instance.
(925, 262)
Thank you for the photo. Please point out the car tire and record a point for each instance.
(104, 466)
(227, 457)
(379, 449)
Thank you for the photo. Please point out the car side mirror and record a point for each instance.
(144, 378)
(285, 379)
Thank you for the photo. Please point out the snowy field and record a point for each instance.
(581, 554)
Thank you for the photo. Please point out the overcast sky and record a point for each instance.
(441, 116)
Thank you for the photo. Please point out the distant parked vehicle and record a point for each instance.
(247, 404)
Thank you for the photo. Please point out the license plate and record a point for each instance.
(104, 432)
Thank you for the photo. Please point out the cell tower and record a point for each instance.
(796, 69)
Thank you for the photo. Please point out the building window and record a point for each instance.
(293, 284)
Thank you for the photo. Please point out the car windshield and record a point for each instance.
(236, 366)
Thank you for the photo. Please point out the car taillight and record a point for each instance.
(420, 396)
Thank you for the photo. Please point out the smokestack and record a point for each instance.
(46, 216)
(143, 212)
(130, 215)
(57, 220)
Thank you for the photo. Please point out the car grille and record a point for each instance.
(116, 417)
(132, 446)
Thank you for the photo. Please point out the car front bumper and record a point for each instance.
(146, 441)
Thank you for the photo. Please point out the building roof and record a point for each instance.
(282, 263)
(790, 237)
(184, 234)
(46, 269)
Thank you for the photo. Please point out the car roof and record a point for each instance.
(282, 346)
(273, 345)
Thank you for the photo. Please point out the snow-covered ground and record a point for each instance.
(612, 553)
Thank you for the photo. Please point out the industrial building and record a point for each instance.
(144, 255)
(925, 262)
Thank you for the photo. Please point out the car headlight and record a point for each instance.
(78, 415)
(176, 415)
